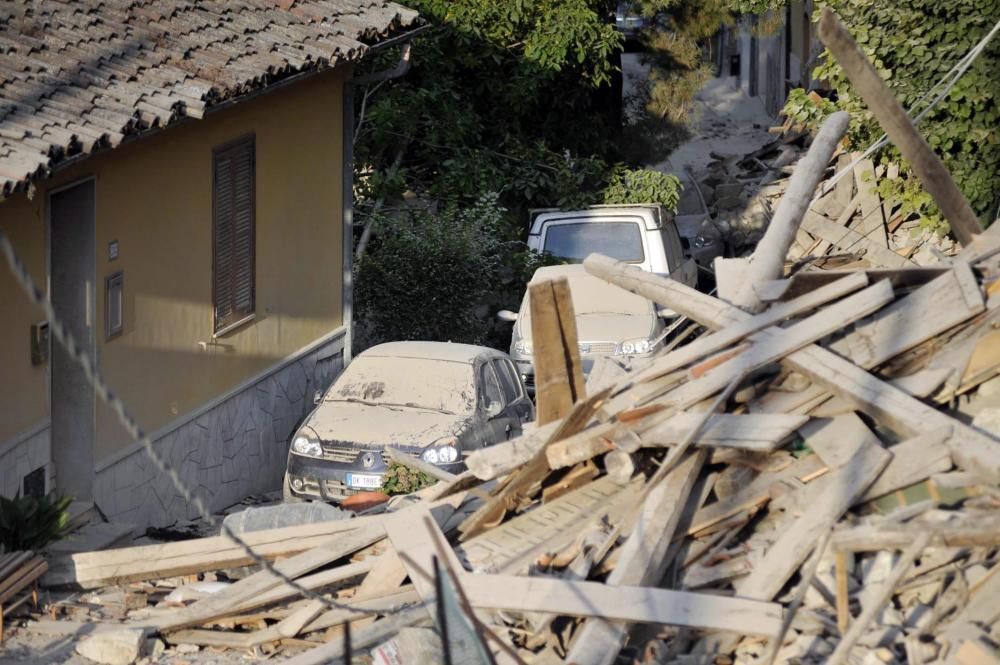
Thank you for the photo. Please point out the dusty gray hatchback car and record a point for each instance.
(434, 400)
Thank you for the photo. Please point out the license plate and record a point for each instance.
(364, 480)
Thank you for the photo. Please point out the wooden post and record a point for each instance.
(890, 114)
(558, 372)
(768, 260)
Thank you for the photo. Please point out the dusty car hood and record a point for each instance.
(612, 327)
(352, 422)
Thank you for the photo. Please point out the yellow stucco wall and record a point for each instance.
(23, 387)
(154, 197)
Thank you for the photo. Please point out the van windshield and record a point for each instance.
(576, 241)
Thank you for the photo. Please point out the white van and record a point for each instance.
(645, 235)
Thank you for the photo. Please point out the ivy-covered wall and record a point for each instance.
(913, 43)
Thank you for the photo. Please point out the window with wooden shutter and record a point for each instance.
(233, 222)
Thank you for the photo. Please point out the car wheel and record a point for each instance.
(286, 492)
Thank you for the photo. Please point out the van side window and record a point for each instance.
(509, 391)
(672, 246)
(489, 389)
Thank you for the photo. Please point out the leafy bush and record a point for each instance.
(643, 186)
(913, 44)
(400, 479)
(804, 109)
(31, 523)
(429, 275)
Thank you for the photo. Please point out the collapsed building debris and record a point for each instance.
(812, 477)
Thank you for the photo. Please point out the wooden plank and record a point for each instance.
(642, 558)
(872, 223)
(837, 439)
(850, 240)
(622, 603)
(556, 357)
(757, 493)
(892, 117)
(410, 538)
(825, 501)
(149, 562)
(913, 461)
(914, 319)
(965, 531)
(760, 432)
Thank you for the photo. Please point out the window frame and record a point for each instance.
(220, 328)
(503, 375)
(111, 331)
(482, 385)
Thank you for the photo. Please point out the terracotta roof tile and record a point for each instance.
(81, 75)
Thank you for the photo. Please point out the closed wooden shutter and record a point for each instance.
(233, 233)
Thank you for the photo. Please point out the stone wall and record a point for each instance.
(235, 448)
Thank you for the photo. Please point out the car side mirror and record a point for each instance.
(507, 315)
(493, 409)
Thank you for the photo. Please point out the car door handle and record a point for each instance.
(507, 431)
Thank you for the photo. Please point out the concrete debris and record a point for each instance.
(113, 647)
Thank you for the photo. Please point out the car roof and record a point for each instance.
(570, 271)
(447, 351)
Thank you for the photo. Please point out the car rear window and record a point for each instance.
(575, 241)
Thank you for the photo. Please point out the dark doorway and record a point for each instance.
(71, 284)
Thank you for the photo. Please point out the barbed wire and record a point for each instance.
(92, 373)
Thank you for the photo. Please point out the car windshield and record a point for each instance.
(421, 383)
(575, 241)
(594, 296)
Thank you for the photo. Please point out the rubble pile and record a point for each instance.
(849, 224)
(806, 483)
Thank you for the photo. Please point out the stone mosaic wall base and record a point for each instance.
(21, 458)
(235, 449)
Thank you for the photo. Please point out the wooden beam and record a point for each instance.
(890, 114)
(768, 259)
(757, 432)
(968, 531)
(556, 357)
(92, 570)
(622, 603)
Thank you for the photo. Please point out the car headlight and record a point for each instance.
(634, 346)
(700, 241)
(523, 347)
(303, 445)
(440, 455)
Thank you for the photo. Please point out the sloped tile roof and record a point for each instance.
(78, 76)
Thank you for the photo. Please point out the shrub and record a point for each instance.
(31, 523)
(400, 479)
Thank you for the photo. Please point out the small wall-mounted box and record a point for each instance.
(40, 343)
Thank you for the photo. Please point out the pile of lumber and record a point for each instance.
(19, 572)
(791, 483)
